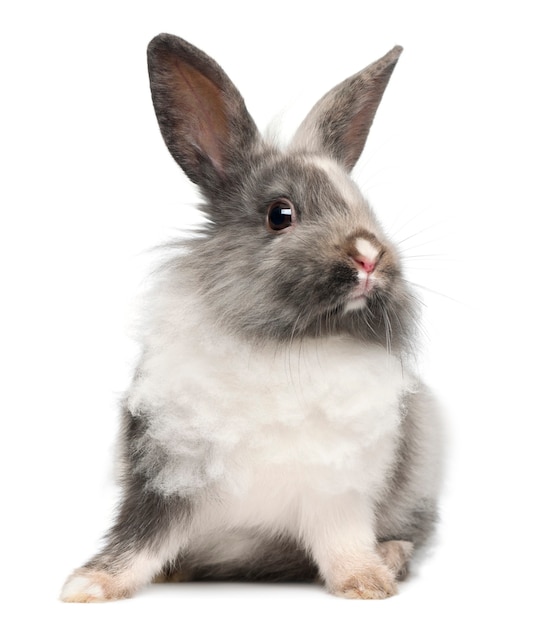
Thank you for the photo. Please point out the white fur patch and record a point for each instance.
(80, 586)
(265, 426)
(338, 176)
(355, 304)
(367, 249)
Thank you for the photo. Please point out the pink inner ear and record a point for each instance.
(201, 102)
(358, 129)
(355, 137)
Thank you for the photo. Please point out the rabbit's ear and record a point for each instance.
(340, 121)
(201, 114)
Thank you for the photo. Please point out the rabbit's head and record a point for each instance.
(291, 248)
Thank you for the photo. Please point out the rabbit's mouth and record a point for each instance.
(366, 284)
(359, 295)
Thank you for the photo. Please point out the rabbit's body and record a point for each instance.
(273, 428)
(305, 410)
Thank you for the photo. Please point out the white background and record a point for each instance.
(454, 163)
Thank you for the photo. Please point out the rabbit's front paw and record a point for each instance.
(86, 585)
(371, 584)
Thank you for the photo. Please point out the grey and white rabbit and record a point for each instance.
(273, 429)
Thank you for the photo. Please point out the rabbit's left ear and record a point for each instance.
(202, 116)
(339, 123)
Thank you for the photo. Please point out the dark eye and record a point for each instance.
(281, 215)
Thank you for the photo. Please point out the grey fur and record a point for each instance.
(144, 518)
(263, 293)
(404, 512)
(271, 559)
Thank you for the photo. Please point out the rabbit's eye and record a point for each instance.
(281, 215)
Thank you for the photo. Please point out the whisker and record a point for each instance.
(289, 350)
(394, 231)
(387, 329)
(413, 235)
(433, 291)
(436, 256)
(365, 314)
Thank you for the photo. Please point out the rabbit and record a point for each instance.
(275, 428)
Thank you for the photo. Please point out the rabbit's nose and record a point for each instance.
(368, 264)
(365, 253)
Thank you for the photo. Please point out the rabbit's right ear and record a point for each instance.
(339, 123)
(201, 114)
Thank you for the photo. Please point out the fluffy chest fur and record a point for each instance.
(321, 415)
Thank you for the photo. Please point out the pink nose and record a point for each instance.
(365, 263)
